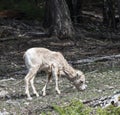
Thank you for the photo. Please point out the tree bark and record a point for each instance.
(109, 14)
(118, 4)
(75, 7)
(57, 19)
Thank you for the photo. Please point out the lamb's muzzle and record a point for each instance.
(79, 81)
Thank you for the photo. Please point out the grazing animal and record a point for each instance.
(54, 64)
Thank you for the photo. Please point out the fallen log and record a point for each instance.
(96, 59)
(4, 80)
(104, 101)
(92, 14)
(26, 35)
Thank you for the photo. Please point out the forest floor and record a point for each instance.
(102, 77)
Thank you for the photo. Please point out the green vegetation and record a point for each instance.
(78, 108)
(29, 7)
(74, 108)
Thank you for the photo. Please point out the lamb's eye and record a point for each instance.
(81, 81)
(77, 75)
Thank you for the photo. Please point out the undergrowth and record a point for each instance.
(78, 108)
(31, 10)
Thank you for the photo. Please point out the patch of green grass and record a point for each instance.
(74, 108)
(78, 108)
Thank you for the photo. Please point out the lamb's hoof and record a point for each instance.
(29, 98)
(44, 94)
(58, 91)
(37, 95)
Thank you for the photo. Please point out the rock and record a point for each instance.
(4, 112)
(3, 93)
(113, 100)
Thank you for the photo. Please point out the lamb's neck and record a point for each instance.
(70, 71)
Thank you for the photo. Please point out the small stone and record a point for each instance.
(3, 93)
(99, 91)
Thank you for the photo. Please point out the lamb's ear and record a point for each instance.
(66, 71)
(79, 73)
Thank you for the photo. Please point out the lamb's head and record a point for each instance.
(79, 80)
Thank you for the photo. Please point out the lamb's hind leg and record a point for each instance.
(28, 77)
(48, 80)
(33, 87)
(27, 80)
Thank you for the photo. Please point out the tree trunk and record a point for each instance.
(75, 7)
(118, 4)
(57, 19)
(78, 9)
(109, 14)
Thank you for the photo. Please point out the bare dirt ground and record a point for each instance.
(102, 77)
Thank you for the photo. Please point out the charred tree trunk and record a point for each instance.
(118, 4)
(75, 7)
(57, 19)
(109, 14)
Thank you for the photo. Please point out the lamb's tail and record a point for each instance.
(24, 56)
(27, 59)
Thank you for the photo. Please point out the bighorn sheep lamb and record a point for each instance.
(54, 64)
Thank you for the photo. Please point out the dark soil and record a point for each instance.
(103, 78)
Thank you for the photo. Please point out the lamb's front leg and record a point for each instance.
(56, 88)
(56, 76)
(48, 80)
